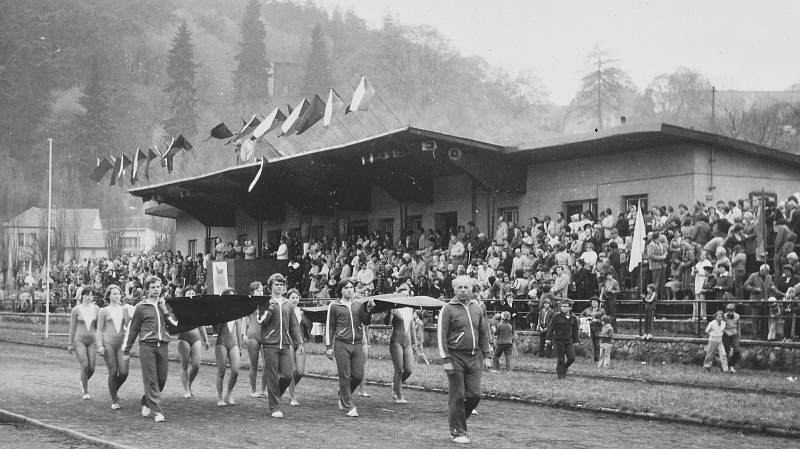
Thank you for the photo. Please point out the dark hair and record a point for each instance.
(343, 283)
(229, 291)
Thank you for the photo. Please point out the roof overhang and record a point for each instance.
(404, 162)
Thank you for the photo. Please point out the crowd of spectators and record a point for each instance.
(714, 253)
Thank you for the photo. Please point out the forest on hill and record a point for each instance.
(105, 77)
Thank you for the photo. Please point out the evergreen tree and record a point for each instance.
(181, 90)
(318, 66)
(602, 91)
(96, 129)
(250, 79)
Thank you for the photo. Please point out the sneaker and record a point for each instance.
(474, 412)
(401, 401)
(732, 370)
(159, 417)
(341, 406)
(353, 412)
(263, 394)
(221, 403)
(293, 402)
(86, 396)
(115, 406)
(363, 394)
(187, 395)
(254, 395)
(145, 411)
(461, 439)
(277, 414)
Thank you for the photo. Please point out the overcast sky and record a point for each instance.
(738, 44)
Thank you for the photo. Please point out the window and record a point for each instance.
(21, 240)
(578, 207)
(318, 233)
(210, 242)
(26, 238)
(633, 200)
(387, 227)
(510, 214)
(755, 197)
(358, 228)
(191, 248)
(414, 222)
(130, 243)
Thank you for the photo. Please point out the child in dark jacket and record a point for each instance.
(504, 342)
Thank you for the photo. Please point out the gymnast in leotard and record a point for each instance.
(190, 346)
(253, 335)
(299, 357)
(82, 336)
(401, 345)
(228, 343)
(112, 322)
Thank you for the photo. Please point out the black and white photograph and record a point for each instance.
(399, 224)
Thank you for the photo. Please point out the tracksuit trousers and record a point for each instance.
(464, 389)
(279, 366)
(155, 364)
(350, 368)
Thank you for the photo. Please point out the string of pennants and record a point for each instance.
(299, 120)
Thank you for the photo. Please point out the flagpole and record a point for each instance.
(49, 209)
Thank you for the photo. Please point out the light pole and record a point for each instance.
(47, 263)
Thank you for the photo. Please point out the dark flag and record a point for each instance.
(221, 132)
(150, 156)
(177, 144)
(103, 166)
(314, 113)
(114, 174)
(246, 130)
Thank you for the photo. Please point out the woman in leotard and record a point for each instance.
(401, 345)
(253, 334)
(228, 343)
(112, 322)
(299, 358)
(190, 345)
(83, 336)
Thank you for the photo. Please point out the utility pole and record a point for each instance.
(714, 108)
(47, 263)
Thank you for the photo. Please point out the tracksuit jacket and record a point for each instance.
(463, 327)
(347, 319)
(279, 326)
(149, 323)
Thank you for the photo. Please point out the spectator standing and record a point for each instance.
(595, 313)
(562, 332)
(715, 329)
(731, 336)
(606, 343)
(758, 285)
(650, 299)
(545, 315)
(504, 341)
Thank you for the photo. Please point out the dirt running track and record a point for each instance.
(43, 383)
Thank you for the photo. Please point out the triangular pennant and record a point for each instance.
(273, 120)
(221, 132)
(334, 105)
(150, 156)
(177, 144)
(246, 130)
(362, 96)
(257, 176)
(140, 155)
(103, 166)
(290, 124)
(113, 178)
(314, 113)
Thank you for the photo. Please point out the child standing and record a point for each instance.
(649, 311)
(774, 318)
(606, 342)
(505, 339)
(715, 329)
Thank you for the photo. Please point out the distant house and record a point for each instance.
(136, 235)
(75, 234)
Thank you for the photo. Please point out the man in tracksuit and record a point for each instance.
(463, 338)
(279, 331)
(562, 332)
(149, 326)
(344, 339)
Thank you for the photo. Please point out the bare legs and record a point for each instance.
(190, 364)
(253, 352)
(87, 357)
(117, 371)
(223, 355)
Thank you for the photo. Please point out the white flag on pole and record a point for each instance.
(637, 249)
